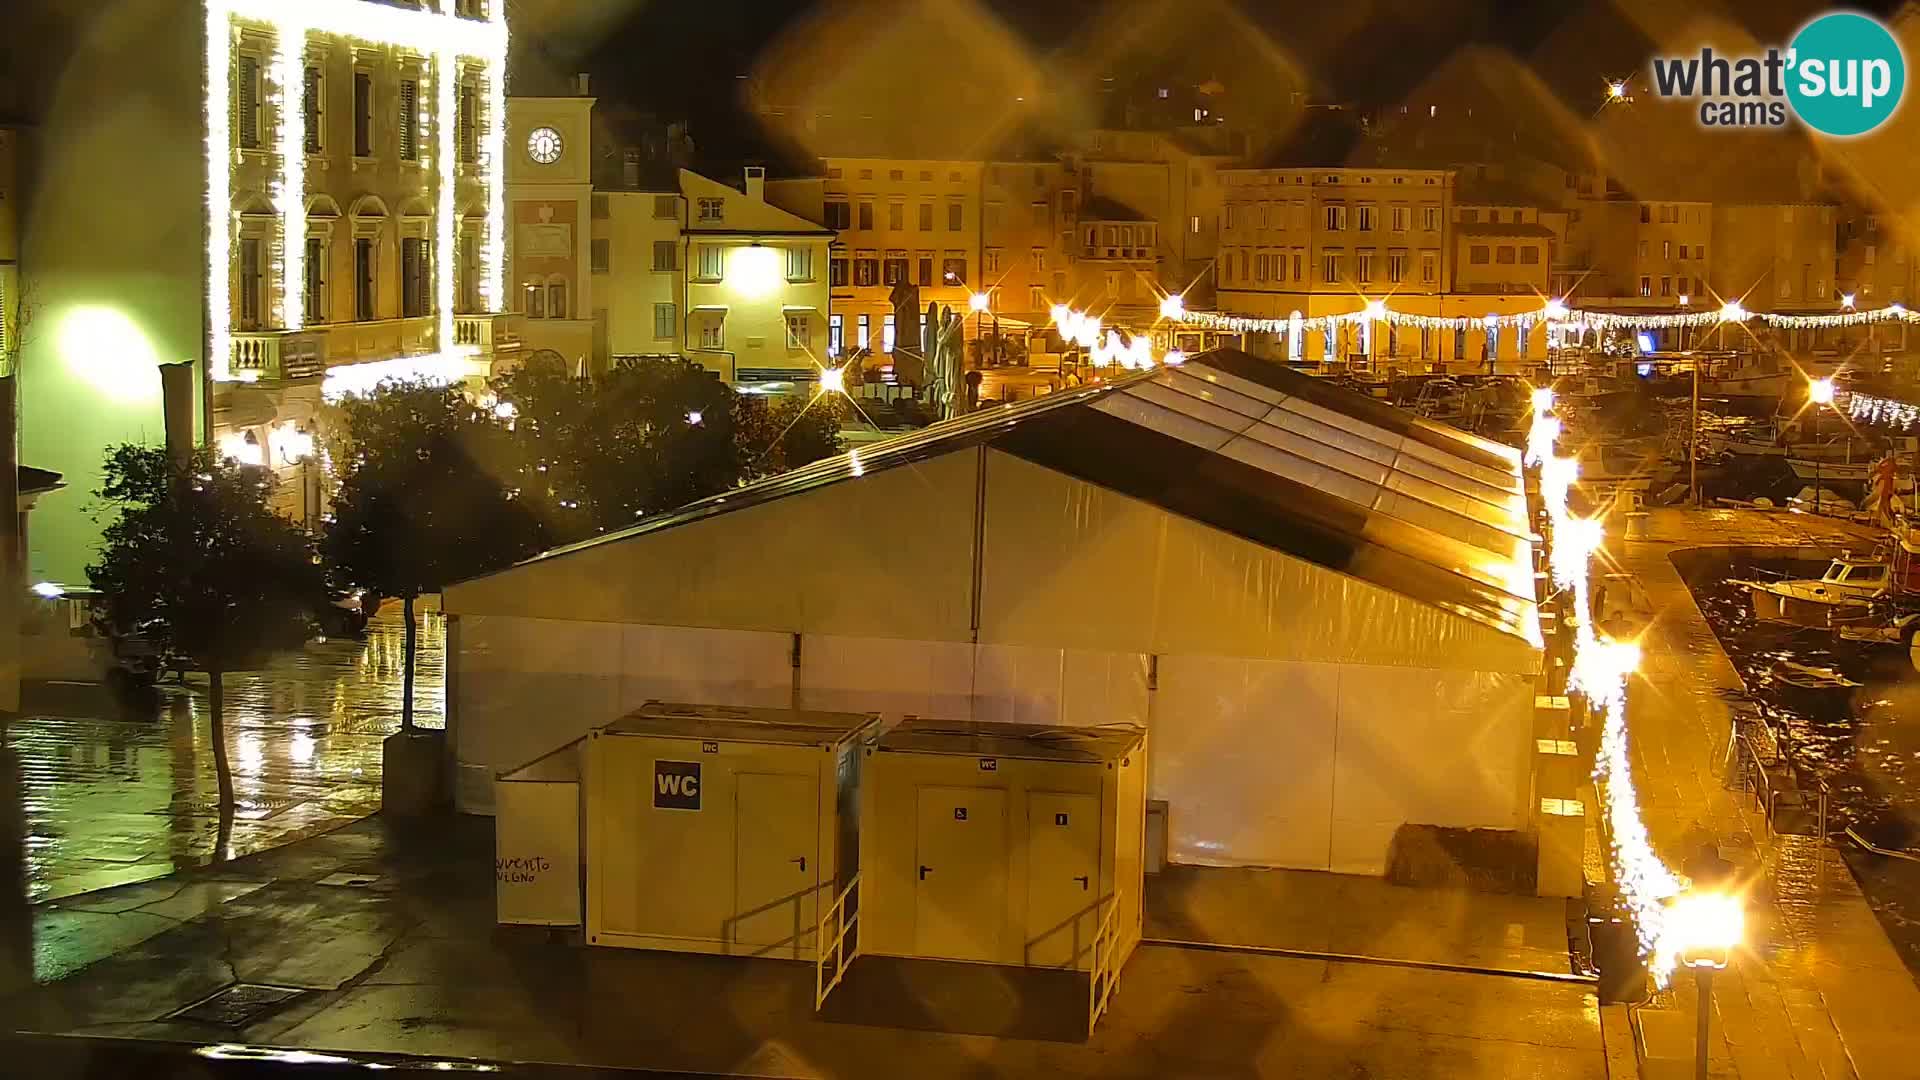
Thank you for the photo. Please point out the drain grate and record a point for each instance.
(350, 881)
(238, 1005)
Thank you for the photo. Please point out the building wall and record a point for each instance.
(760, 288)
(1875, 262)
(1778, 256)
(634, 283)
(110, 244)
(910, 184)
(1283, 215)
(549, 213)
(1501, 249)
(1024, 229)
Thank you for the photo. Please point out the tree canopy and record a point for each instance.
(430, 492)
(198, 565)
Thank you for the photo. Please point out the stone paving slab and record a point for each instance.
(1820, 992)
(415, 964)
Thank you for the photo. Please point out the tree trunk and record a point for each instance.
(406, 683)
(216, 715)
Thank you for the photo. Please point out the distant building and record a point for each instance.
(638, 259)
(349, 154)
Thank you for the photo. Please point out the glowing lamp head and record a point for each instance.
(1174, 358)
(1685, 299)
(833, 381)
(1087, 334)
(1731, 311)
(1556, 310)
(1846, 300)
(1616, 90)
(1702, 928)
(1376, 309)
(1060, 313)
(49, 590)
(1820, 391)
(753, 271)
(979, 301)
(505, 410)
(1173, 307)
(243, 449)
(694, 417)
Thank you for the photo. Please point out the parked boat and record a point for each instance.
(1848, 472)
(1845, 593)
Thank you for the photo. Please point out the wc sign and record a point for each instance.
(676, 785)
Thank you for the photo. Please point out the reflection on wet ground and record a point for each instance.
(1863, 741)
(113, 797)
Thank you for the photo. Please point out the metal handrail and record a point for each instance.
(1101, 975)
(1755, 773)
(836, 945)
(1889, 853)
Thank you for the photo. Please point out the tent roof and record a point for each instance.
(1283, 460)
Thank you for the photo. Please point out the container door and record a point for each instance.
(776, 834)
(1063, 878)
(960, 894)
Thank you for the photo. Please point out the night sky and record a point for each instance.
(950, 61)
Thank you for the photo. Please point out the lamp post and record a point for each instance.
(1819, 395)
(1703, 928)
(979, 302)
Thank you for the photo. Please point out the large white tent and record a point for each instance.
(1320, 607)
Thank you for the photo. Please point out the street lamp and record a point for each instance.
(980, 302)
(1704, 927)
(833, 380)
(1820, 395)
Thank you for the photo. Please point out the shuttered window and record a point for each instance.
(246, 102)
(409, 120)
(310, 107)
(469, 143)
(362, 114)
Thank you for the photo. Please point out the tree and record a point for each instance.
(779, 434)
(600, 453)
(199, 566)
(430, 493)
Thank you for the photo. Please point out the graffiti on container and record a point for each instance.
(520, 870)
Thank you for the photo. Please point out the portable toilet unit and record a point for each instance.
(1003, 844)
(718, 829)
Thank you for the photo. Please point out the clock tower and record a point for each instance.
(549, 215)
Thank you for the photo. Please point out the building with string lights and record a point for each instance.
(293, 199)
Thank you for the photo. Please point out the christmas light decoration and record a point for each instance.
(1600, 671)
(446, 77)
(219, 155)
(349, 380)
(1555, 313)
(442, 35)
(290, 187)
(1878, 410)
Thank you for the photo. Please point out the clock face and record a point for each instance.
(543, 145)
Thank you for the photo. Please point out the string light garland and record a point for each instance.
(1600, 671)
(1554, 313)
(446, 37)
(1870, 409)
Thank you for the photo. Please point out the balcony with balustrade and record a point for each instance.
(291, 355)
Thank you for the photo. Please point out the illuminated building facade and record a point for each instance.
(297, 199)
(620, 269)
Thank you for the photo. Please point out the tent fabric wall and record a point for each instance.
(1315, 766)
(786, 565)
(1142, 580)
(526, 686)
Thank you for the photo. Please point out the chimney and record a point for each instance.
(583, 84)
(756, 183)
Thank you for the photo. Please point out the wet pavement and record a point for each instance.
(1818, 991)
(411, 961)
(116, 796)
